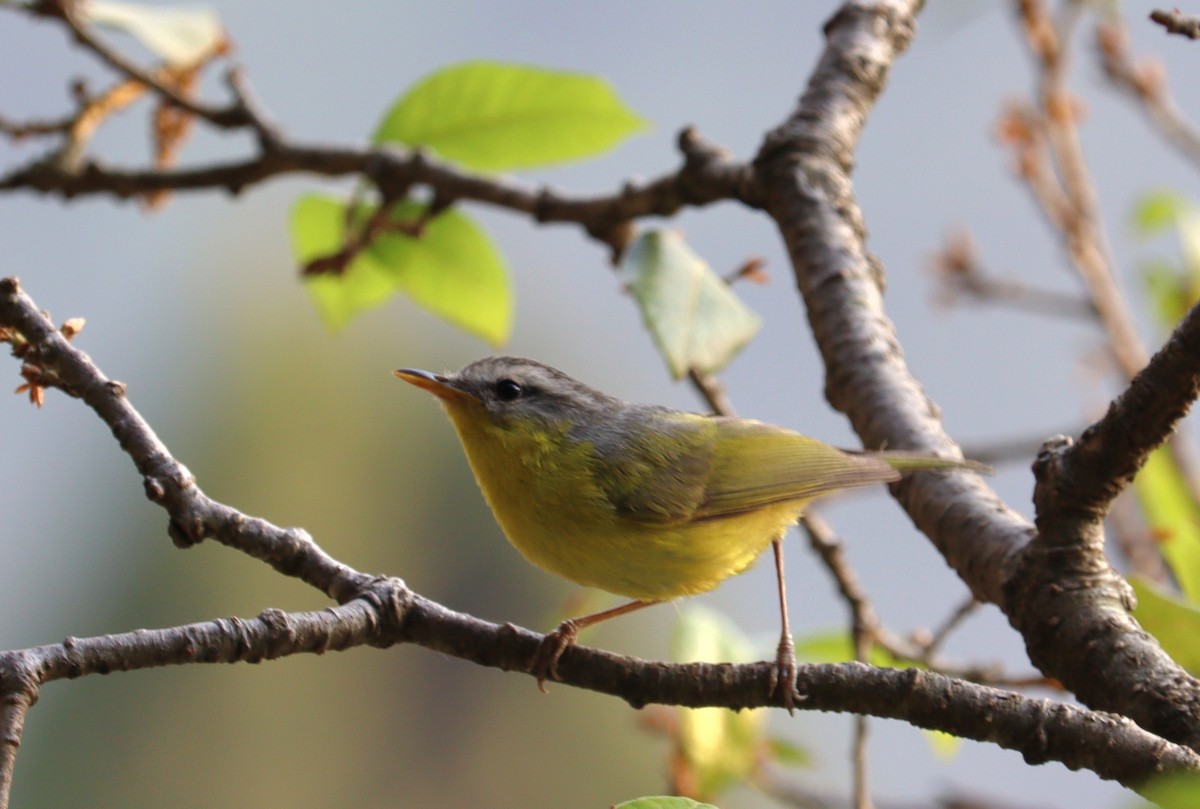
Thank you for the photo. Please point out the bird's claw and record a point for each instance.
(784, 674)
(544, 664)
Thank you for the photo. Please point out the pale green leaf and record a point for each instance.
(1179, 790)
(663, 802)
(789, 754)
(703, 635)
(944, 745)
(1172, 517)
(721, 747)
(1188, 229)
(1157, 211)
(495, 116)
(1167, 290)
(318, 229)
(453, 270)
(182, 36)
(696, 320)
(838, 647)
(1174, 622)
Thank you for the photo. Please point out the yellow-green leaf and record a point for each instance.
(838, 647)
(1172, 517)
(496, 116)
(451, 269)
(318, 229)
(788, 754)
(1171, 292)
(1158, 210)
(944, 745)
(721, 747)
(696, 320)
(1179, 790)
(663, 802)
(1174, 622)
(1173, 286)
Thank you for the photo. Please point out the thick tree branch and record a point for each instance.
(804, 168)
(1073, 596)
(388, 614)
(1082, 479)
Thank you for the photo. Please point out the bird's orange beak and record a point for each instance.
(440, 386)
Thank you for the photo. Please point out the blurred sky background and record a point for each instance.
(198, 309)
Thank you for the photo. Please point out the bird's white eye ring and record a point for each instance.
(508, 391)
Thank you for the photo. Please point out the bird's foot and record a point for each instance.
(784, 674)
(544, 665)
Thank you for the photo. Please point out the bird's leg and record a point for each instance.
(545, 661)
(783, 677)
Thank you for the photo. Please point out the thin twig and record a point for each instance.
(1176, 22)
(1146, 83)
(952, 622)
(1137, 544)
(861, 782)
(712, 390)
(696, 183)
(230, 117)
(1079, 219)
(961, 273)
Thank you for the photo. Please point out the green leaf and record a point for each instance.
(837, 646)
(663, 802)
(1187, 227)
(181, 36)
(1172, 791)
(495, 116)
(318, 229)
(694, 317)
(1157, 211)
(452, 269)
(944, 745)
(720, 747)
(704, 635)
(789, 754)
(1172, 517)
(1174, 622)
(1166, 289)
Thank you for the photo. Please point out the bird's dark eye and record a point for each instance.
(508, 391)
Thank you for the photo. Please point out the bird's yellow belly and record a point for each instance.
(657, 563)
(643, 561)
(561, 521)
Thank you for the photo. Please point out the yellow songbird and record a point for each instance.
(641, 501)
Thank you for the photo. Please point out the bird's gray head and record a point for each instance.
(515, 387)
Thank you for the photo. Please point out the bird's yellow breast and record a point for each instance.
(541, 487)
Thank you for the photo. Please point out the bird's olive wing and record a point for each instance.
(653, 464)
(756, 465)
